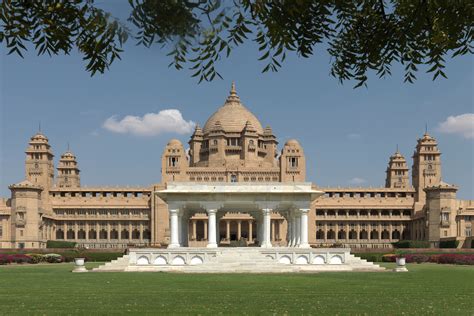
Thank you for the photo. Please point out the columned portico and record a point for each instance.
(291, 201)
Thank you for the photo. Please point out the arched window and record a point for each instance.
(352, 234)
(81, 234)
(59, 234)
(103, 234)
(71, 234)
(331, 234)
(363, 234)
(233, 178)
(135, 234)
(124, 234)
(341, 234)
(92, 234)
(320, 234)
(374, 234)
(385, 234)
(114, 234)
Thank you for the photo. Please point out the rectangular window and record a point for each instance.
(293, 162)
(1, 231)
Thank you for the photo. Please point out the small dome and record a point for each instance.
(39, 137)
(233, 116)
(175, 142)
(292, 142)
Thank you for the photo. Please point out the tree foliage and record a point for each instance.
(359, 36)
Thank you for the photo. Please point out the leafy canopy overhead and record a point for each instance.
(359, 36)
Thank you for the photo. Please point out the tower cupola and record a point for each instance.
(397, 172)
(68, 171)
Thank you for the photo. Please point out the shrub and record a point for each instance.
(452, 258)
(448, 244)
(36, 258)
(60, 244)
(372, 257)
(53, 258)
(103, 256)
(389, 257)
(411, 244)
(417, 258)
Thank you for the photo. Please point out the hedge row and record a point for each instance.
(60, 244)
(447, 258)
(67, 256)
(30, 258)
(411, 244)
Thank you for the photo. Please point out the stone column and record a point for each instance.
(194, 230)
(239, 229)
(289, 231)
(180, 229)
(205, 230)
(212, 243)
(273, 230)
(250, 231)
(174, 229)
(266, 243)
(87, 231)
(227, 229)
(304, 229)
(141, 232)
(120, 231)
(298, 230)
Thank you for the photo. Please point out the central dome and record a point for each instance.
(233, 116)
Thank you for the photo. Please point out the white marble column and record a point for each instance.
(180, 228)
(266, 242)
(298, 229)
(290, 231)
(174, 229)
(294, 229)
(212, 243)
(304, 228)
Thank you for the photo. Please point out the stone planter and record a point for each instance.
(79, 265)
(401, 262)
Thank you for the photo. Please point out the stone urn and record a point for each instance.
(401, 262)
(79, 265)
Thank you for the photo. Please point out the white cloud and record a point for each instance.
(150, 124)
(353, 136)
(357, 181)
(462, 125)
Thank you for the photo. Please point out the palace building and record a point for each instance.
(233, 186)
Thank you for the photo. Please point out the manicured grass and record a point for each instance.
(53, 289)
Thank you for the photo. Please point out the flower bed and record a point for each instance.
(30, 258)
(447, 258)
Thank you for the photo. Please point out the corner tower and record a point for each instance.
(68, 171)
(39, 166)
(397, 172)
(426, 170)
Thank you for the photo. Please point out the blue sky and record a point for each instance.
(347, 134)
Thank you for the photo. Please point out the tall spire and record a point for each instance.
(426, 128)
(233, 97)
(39, 127)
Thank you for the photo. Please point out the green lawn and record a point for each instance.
(53, 289)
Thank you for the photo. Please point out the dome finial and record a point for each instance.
(233, 97)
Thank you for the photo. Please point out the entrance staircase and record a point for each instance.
(239, 260)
